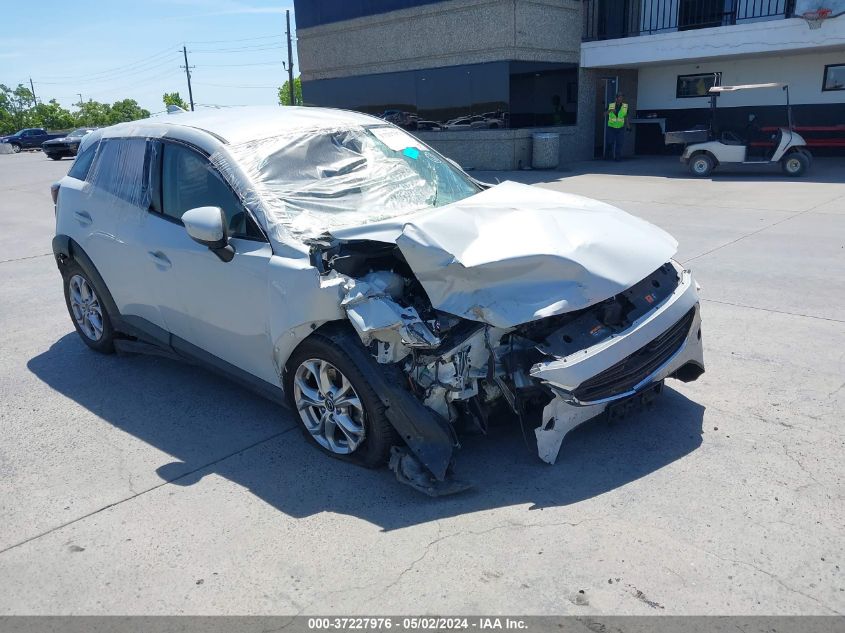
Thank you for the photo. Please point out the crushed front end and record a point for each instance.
(551, 374)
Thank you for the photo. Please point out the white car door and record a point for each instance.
(218, 307)
(103, 204)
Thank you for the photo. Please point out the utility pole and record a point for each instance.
(290, 60)
(80, 99)
(188, 74)
(35, 99)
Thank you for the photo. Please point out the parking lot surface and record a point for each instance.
(138, 485)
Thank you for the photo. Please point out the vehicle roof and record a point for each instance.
(246, 123)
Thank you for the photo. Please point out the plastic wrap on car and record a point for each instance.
(310, 181)
(118, 168)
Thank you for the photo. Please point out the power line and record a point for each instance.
(136, 72)
(203, 83)
(244, 39)
(115, 69)
(240, 49)
(273, 63)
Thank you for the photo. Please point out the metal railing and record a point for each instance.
(611, 19)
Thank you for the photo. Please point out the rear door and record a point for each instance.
(216, 307)
(103, 207)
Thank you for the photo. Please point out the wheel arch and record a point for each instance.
(428, 435)
(708, 153)
(66, 249)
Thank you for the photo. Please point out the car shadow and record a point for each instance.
(213, 426)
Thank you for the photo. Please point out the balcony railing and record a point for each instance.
(611, 19)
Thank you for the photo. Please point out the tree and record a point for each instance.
(17, 107)
(284, 92)
(127, 110)
(174, 98)
(93, 114)
(53, 116)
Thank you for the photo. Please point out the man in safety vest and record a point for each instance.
(617, 124)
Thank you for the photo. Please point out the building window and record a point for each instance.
(690, 86)
(493, 95)
(834, 77)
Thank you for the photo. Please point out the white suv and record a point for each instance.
(331, 260)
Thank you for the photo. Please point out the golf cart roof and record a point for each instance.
(718, 89)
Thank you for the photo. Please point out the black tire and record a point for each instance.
(105, 343)
(701, 165)
(15, 148)
(379, 435)
(809, 156)
(795, 164)
(55, 156)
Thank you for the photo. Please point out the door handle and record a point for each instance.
(83, 218)
(160, 259)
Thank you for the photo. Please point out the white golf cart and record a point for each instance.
(707, 149)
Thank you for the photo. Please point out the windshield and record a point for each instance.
(79, 133)
(328, 178)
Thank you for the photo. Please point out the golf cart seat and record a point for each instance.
(731, 138)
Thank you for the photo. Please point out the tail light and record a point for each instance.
(54, 191)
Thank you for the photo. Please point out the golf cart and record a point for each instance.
(707, 149)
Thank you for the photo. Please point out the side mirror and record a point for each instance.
(207, 226)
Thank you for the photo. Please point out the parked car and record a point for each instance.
(68, 145)
(28, 138)
(476, 122)
(331, 260)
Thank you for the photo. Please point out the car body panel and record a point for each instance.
(516, 253)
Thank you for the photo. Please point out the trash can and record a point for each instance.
(545, 152)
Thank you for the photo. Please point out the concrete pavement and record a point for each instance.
(136, 485)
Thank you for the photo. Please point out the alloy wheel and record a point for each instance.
(86, 307)
(328, 406)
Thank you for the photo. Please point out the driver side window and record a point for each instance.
(189, 180)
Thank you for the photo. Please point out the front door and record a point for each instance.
(215, 306)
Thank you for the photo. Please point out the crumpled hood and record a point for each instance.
(516, 253)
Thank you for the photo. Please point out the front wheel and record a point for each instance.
(55, 156)
(339, 410)
(795, 164)
(701, 165)
(87, 311)
(15, 148)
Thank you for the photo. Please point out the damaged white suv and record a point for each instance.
(330, 259)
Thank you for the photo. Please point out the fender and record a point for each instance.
(66, 249)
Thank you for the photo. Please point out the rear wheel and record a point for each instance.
(795, 164)
(87, 310)
(701, 165)
(338, 408)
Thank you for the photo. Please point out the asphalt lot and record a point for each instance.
(137, 485)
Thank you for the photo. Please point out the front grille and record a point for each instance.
(627, 373)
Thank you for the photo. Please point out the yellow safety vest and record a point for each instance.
(617, 120)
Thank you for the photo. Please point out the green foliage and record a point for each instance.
(18, 109)
(284, 92)
(174, 98)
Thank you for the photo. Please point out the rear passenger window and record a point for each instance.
(118, 169)
(189, 180)
(82, 164)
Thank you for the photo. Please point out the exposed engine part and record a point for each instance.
(373, 312)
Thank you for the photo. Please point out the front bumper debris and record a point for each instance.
(567, 376)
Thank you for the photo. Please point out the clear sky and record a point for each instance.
(115, 49)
